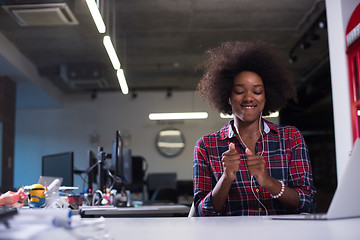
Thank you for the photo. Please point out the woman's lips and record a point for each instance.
(248, 106)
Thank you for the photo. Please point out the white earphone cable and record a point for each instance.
(262, 152)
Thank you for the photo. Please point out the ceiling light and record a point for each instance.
(122, 81)
(178, 116)
(111, 52)
(94, 10)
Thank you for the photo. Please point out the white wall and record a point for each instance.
(53, 130)
(338, 15)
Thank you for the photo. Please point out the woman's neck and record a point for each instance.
(248, 129)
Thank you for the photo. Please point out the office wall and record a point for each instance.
(70, 128)
(338, 15)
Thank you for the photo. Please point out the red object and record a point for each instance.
(353, 54)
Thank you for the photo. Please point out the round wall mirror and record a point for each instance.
(170, 142)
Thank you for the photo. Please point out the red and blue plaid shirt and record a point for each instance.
(286, 157)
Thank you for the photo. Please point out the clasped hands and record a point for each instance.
(256, 165)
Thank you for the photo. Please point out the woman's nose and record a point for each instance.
(248, 96)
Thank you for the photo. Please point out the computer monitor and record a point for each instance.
(59, 165)
(127, 166)
(93, 169)
(122, 159)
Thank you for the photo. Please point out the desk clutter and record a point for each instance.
(116, 188)
(56, 209)
(118, 178)
(63, 215)
(43, 195)
(44, 223)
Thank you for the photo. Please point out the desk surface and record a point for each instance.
(222, 228)
(204, 228)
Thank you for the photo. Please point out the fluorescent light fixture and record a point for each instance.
(95, 13)
(111, 52)
(178, 116)
(170, 133)
(170, 145)
(225, 116)
(122, 81)
(358, 112)
(272, 115)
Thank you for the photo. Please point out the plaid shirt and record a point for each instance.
(286, 157)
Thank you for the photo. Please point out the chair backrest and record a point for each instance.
(161, 180)
(157, 182)
(192, 211)
(164, 195)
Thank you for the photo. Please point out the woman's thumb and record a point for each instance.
(231, 146)
(248, 152)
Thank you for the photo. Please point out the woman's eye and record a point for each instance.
(258, 93)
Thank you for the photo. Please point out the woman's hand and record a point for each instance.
(13, 199)
(257, 167)
(231, 162)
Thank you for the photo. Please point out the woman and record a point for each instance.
(250, 166)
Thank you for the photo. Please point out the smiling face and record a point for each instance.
(247, 97)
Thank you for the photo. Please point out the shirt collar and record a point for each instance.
(228, 132)
(270, 127)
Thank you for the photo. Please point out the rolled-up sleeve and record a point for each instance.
(300, 174)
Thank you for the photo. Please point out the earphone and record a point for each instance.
(262, 152)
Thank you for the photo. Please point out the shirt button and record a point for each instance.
(260, 209)
(257, 190)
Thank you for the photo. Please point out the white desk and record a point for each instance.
(182, 228)
(233, 227)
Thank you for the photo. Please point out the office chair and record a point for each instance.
(162, 187)
(164, 195)
(192, 211)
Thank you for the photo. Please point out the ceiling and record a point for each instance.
(161, 43)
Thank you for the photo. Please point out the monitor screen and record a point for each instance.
(93, 169)
(127, 166)
(122, 160)
(59, 165)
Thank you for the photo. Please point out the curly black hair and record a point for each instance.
(230, 58)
